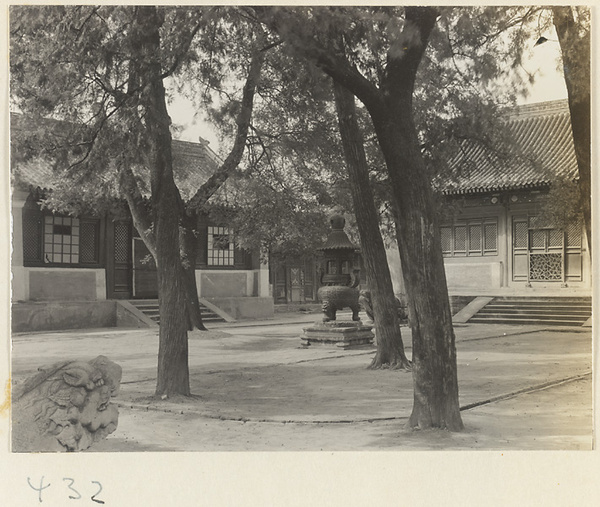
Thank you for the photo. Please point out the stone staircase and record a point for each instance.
(149, 307)
(555, 311)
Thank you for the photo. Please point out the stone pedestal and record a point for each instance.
(339, 334)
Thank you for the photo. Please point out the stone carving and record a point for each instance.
(365, 304)
(66, 406)
(338, 297)
(364, 300)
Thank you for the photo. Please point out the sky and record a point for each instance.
(543, 61)
(550, 82)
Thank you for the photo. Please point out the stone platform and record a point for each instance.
(341, 334)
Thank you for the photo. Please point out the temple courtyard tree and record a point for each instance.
(380, 60)
(98, 74)
(390, 348)
(390, 107)
(298, 173)
(572, 25)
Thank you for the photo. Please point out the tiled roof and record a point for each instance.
(542, 144)
(338, 240)
(193, 164)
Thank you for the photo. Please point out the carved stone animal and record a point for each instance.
(65, 407)
(367, 306)
(364, 300)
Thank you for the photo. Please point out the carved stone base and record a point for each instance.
(339, 334)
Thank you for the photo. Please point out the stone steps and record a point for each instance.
(559, 311)
(149, 307)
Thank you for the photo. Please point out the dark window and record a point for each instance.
(59, 240)
(88, 241)
(220, 246)
(32, 236)
(62, 229)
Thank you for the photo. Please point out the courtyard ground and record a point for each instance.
(257, 389)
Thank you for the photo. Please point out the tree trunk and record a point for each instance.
(390, 349)
(390, 107)
(434, 352)
(173, 373)
(189, 243)
(575, 51)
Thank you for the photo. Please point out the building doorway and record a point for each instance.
(545, 254)
(294, 282)
(145, 281)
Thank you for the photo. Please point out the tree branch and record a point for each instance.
(185, 47)
(243, 121)
(137, 206)
(334, 65)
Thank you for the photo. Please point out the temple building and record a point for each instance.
(71, 271)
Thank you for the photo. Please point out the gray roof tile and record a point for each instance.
(193, 164)
(543, 152)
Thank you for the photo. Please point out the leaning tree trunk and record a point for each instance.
(173, 372)
(434, 352)
(575, 51)
(390, 349)
(390, 105)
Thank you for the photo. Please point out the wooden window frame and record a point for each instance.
(228, 254)
(468, 228)
(40, 217)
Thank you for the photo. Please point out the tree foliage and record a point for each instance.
(573, 26)
(98, 73)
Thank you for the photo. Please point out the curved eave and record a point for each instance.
(497, 188)
(323, 248)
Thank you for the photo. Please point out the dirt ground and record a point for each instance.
(256, 389)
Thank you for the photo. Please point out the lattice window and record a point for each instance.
(460, 240)
(534, 222)
(490, 237)
(32, 235)
(574, 235)
(88, 242)
(547, 266)
(475, 239)
(538, 238)
(520, 234)
(220, 246)
(555, 238)
(121, 242)
(446, 237)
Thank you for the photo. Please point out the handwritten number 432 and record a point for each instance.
(72, 490)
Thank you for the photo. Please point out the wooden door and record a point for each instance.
(119, 282)
(145, 281)
(546, 255)
(520, 244)
(280, 292)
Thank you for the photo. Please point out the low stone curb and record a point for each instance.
(359, 419)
